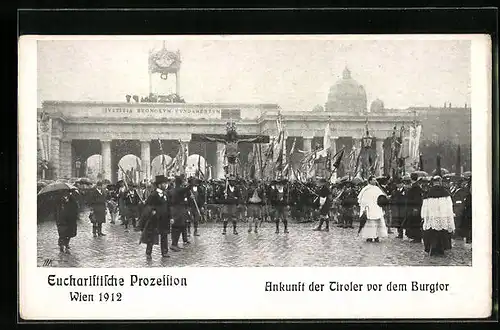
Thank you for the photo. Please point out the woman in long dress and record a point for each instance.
(375, 227)
(438, 218)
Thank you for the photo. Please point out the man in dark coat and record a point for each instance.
(179, 204)
(412, 222)
(466, 221)
(323, 204)
(157, 221)
(348, 201)
(398, 198)
(197, 192)
(278, 196)
(98, 201)
(66, 217)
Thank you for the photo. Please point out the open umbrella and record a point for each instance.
(421, 173)
(362, 221)
(443, 172)
(84, 181)
(56, 187)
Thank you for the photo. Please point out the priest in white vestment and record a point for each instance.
(375, 227)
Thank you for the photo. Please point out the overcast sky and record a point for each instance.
(296, 74)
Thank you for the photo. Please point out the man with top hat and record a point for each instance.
(232, 198)
(278, 196)
(414, 198)
(179, 204)
(196, 203)
(323, 204)
(398, 205)
(157, 223)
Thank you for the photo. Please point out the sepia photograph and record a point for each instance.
(241, 151)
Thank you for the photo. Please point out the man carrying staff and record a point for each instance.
(323, 203)
(179, 197)
(232, 199)
(157, 222)
(98, 205)
(196, 203)
(278, 197)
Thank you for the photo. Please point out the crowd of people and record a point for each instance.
(428, 210)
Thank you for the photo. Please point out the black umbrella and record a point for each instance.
(362, 221)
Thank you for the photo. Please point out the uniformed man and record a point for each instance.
(323, 204)
(179, 204)
(157, 222)
(278, 196)
(98, 206)
(348, 201)
(122, 196)
(254, 206)
(232, 198)
(196, 204)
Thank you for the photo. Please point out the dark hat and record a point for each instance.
(110, 187)
(178, 179)
(159, 179)
(382, 200)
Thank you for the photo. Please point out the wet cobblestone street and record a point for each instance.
(302, 247)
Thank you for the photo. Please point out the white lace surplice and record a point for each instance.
(438, 214)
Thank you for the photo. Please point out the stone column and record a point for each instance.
(380, 156)
(219, 164)
(55, 145)
(308, 143)
(146, 159)
(66, 159)
(185, 145)
(106, 159)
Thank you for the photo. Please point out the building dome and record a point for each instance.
(318, 108)
(377, 106)
(346, 95)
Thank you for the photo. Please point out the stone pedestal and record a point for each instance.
(106, 159)
(145, 160)
(219, 165)
(308, 144)
(55, 156)
(66, 159)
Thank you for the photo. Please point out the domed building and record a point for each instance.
(377, 106)
(318, 108)
(347, 95)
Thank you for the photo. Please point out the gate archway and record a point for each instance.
(129, 168)
(158, 165)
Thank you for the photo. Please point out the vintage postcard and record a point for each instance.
(254, 177)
